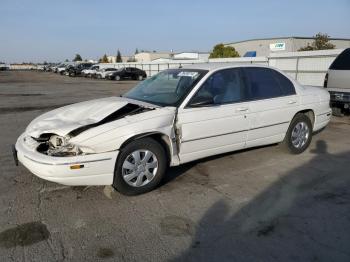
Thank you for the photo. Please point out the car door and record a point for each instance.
(128, 72)
(218, 126)
(273, 103)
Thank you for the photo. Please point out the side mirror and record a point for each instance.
(199, 101)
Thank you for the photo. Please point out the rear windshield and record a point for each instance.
(342, 62)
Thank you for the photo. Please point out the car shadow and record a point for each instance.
(304, 216)
(177, 171)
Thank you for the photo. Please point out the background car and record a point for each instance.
(90, 72)
(128, 73)
(61, 69)
(4, 67)
(337, 82)
(101, 73)
(77, 69)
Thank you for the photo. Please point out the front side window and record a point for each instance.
(167, 88)
(225, 86)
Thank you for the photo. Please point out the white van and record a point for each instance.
(337, 82)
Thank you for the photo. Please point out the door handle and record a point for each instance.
(292, 102)
(242, 109)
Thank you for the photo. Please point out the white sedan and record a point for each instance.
(103, 72)
(174, 117)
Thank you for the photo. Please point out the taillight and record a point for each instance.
(325, 81)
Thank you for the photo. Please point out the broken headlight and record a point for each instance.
(60, 146)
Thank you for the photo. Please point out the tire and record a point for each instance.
(138, 182)
(294, 143)
(140, 77)
(117, 78)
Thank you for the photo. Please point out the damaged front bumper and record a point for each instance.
(82, 170)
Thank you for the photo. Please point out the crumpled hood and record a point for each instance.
(63, 120)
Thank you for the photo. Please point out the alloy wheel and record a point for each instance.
(300, 135)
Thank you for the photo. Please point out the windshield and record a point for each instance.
(167, 88)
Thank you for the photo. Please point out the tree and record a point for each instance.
(77, 58)
(67, 60)
(321, 42)
(136, 51)
(104, 59)
(119, 57)
(221, 51)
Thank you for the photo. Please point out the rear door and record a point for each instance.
(273, 103)
(217, 127)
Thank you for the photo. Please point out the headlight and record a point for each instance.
(60, 146)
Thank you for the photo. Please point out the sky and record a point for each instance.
(43, 30)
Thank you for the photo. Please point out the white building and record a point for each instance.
(150, 56)
(113, 59)
(266, 46)
(192, 55)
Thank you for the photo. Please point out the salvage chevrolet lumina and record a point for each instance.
(174, 117)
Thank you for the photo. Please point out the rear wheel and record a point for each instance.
(140, 167)
(299, 134)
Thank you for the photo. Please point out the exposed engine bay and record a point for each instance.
(54, 145)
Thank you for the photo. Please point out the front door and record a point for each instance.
(216, 120)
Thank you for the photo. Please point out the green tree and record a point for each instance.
(103, 59)
(119, 57)
(321, 42)
(221, 51)
(77, 58)
(136, 51)
(67, 60)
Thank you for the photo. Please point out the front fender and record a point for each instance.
(111, 136)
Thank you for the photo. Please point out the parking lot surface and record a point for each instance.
(254, 205)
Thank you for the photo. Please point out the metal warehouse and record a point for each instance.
(266, 46)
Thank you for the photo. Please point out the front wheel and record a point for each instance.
(117, 78)
(299, 134)
(140, 167)
(140, 77)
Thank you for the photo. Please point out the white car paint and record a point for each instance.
(91, 71)
(105, 71)
(190, 133)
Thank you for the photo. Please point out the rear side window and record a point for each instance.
(286, 85)
(262, 83)
(342, 62)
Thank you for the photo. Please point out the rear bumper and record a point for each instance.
(340, 99)
(96, 169)
(322, 120)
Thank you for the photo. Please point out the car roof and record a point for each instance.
(216, 66)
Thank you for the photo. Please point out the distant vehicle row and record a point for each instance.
(96, 71)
